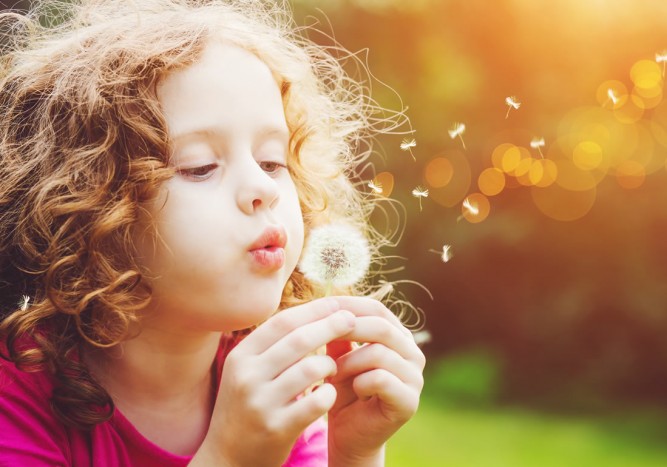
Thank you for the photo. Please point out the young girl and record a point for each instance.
(162, 162)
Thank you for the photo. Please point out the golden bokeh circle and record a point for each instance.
(454, 191)
(561, 204)
(620, 92)
(572, 178)
(543, 173)
(491, 181)
(630, 174)
(631, 111)
(587, 155)
(438, 172)
(510, 160)
(647, 98)
(386, 181)
(646, 74)
(498, 153)
(479, 202)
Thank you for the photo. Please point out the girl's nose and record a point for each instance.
(256, 189)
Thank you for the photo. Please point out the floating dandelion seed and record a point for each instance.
(471, 208)
(421, 337)
(407, 145)
(511, 103)
(538, 143)
(457, 130)
(611, 94)
(24, 302)
(335, 255)
(420, 193)
(376, 187)
(661, 57)
(446, 255)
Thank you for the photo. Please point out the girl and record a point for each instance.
(162, 162)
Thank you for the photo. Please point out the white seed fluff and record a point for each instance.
(335, 254)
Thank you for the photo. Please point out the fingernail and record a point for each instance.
(348, 317)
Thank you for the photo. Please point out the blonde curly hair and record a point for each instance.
(84, 145)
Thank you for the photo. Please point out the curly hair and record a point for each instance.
(84, 146)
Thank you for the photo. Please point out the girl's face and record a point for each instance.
(229, 221)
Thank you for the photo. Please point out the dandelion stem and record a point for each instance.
(462, 142)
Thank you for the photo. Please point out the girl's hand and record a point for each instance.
(378, 384)
(258, 413)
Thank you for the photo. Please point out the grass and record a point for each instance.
(502, 437)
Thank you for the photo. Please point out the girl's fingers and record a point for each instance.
(374, 329)
(310, 407)
(399, 401)
(302, 375)
(284, 322)
(365, 306)
(376, 356)
(304, 340)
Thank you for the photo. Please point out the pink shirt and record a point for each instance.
(30, 435)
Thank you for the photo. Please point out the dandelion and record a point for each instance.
(538, 143)
(407, 145)
(24, 302)
(457, 130)
(446, 255)
(661, 57)
(375, 186)
(511, 103)
(335, 255)
(420, 193)
(421, 337)
(471, 208)
(611, 94)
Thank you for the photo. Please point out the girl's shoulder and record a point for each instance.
(29, 429)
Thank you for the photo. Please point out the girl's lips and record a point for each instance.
(270, 258)
(268, 250)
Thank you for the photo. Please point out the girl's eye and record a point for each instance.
(272, 167)
(199, 174)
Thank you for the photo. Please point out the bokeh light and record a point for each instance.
(563, 204)
(385, 180)
(481, 208)
(437, 170)
(491, 181)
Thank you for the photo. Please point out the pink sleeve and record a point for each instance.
(310, 450)
(30, 433)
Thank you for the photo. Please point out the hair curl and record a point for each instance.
(84, 145)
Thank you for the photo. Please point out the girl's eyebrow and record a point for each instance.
(216, 133)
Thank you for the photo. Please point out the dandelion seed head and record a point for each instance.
(24, 302)
(446, 253)
(471, 208)
(457, 129)
(512, 102)
(376, 187)
(335, 254)
(421, 337)
(537, 143)
(661, 57)
(406, 144)
(612, 95)
(420, 192)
